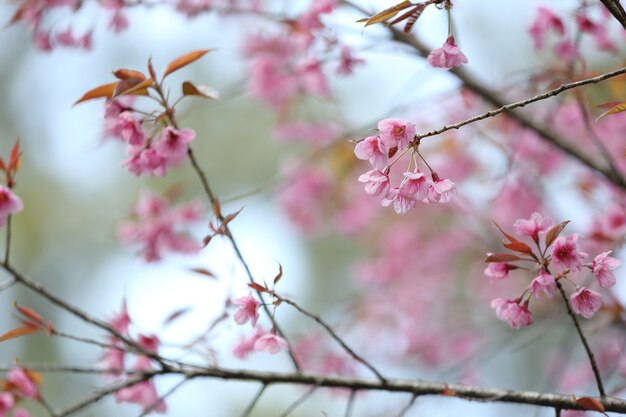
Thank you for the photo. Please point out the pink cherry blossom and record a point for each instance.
(347, 61)
(497, 271)
(271, 342)
(415, 184)
(545, 283)
(448, 56)
(598, 31)
(149, 342)
(112, 360)
(18, 378)
(10, 204)
(602, 266)
(373, 149)
(566, 50)
(512, 312)
(395, 132)
(441, 190)
(248, 310)
(129, 129)
(376, 182)
(533, 226)
(7, 401)
(144, 394)
(245, 346)
(121, 320)
(145, 161)
(302, 195)
(565, 255)
(174, 143)
(586, 302)
(402, 201)
(42, 41)
(544, 21)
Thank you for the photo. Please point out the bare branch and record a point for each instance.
(616, 10)
(255, 400)
(299, 401)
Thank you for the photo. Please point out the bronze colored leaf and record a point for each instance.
(555, 232)
(519, 247)
(15, 160)
(184, 60)
(190, 89)
(388, 13)
(257, 287)
(20, 331)
(105, 90)
(502, 257)
(124, 74)
(280, 274)
(590, 404)
(135, 86)
(203, 271)
(616, 108)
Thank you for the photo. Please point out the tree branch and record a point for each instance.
(616, 10)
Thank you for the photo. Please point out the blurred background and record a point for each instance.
(76, 194)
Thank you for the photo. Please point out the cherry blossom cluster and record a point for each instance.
(10, 203)
(19, 384)
(147, 154)
(156, 225)
(260, 340)
(114, 359)
(547, 22)
(555, 259)
(396, 138)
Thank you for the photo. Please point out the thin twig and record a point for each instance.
(255, 400)
(350, 405)
(7, 249)
(299, 401)
(8, 284)
(334, 335)
(616, 10)
(408, 406)
(583, 339)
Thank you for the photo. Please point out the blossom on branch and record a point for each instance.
(448, 56)
(271, 342)
(602, 266)
(248, 310)
(511, 311)
(10, 204)
(586, 302)
(565, 255)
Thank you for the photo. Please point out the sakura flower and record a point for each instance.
(248, 310)
(376, 182)
(149, 343)
(129, 129)
(174, 142)
(373, 149)
(441, 190)
(415, 184)
(144, 394)
(602, 266)
(497, 271)
(586, 302)
(545, 283)
(112, 360)
(10, 204)
(512, 312)
(598, 31)
(402, 201)
(270, 342)
(145, 161)
(245, 346)
(533, 226)
(448, 56)
(121, 320)
(7, 401)
(348, 62)
(544, 21)
(565, 255)
(24, 384)
(395, 132)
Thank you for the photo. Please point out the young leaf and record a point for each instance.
(616, 108)
(2, 165)
(20, 331)
(592, 404)
(231, 217)
(388, 13)
(184, 60)
(174, 315)
(125, 74)
(519, 247)
(135, 86)
(257, 287)
(190, 89)
(555, 232)
(508, 236)
(105, 90)
(203, 271)
(502, 257)
(14, 161)
(33, 317)
(280, 274)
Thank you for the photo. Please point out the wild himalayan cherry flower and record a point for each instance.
(586, 302)
(248, 310)
(348, 62)
(7, 401)
(395, 132)
(441, 190)
(143, 393)
(402, 202)
(10, 203)
(270, 342)
(543, 282)
(128, 128)
(376, 182)
(565, 255)
(373, 149)
(510, 311)
(120, 321)
(415, 184)
(245, 346)
(533, 226)
(448, 56)
(545, 21)
(598, 31)
(602, 266)
(173, 143)
(25, 386)
(497, 271)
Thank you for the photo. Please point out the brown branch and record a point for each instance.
(334, 335)
(616, 10)
(299, 401)
(407, 407)
(583, 339)
(350, 405)
(253, 403)
(493, 98)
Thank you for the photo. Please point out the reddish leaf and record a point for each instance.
(555, 232)
(280, 274)
(36, 319)
(592, 404)
(151, 69)
(2, 166)
(616, 108)
(508, 236)
(135, 86)
(174, 315)
(206, 240)
(257, 287)
(125, 74)
(184, 60)
(190, 89)
(20, 331)
(14, 161)
(519, 247)
(203, 271)
(231, 217)
(388, 13)
(105, 90)
(502, 257)
(608, 105)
